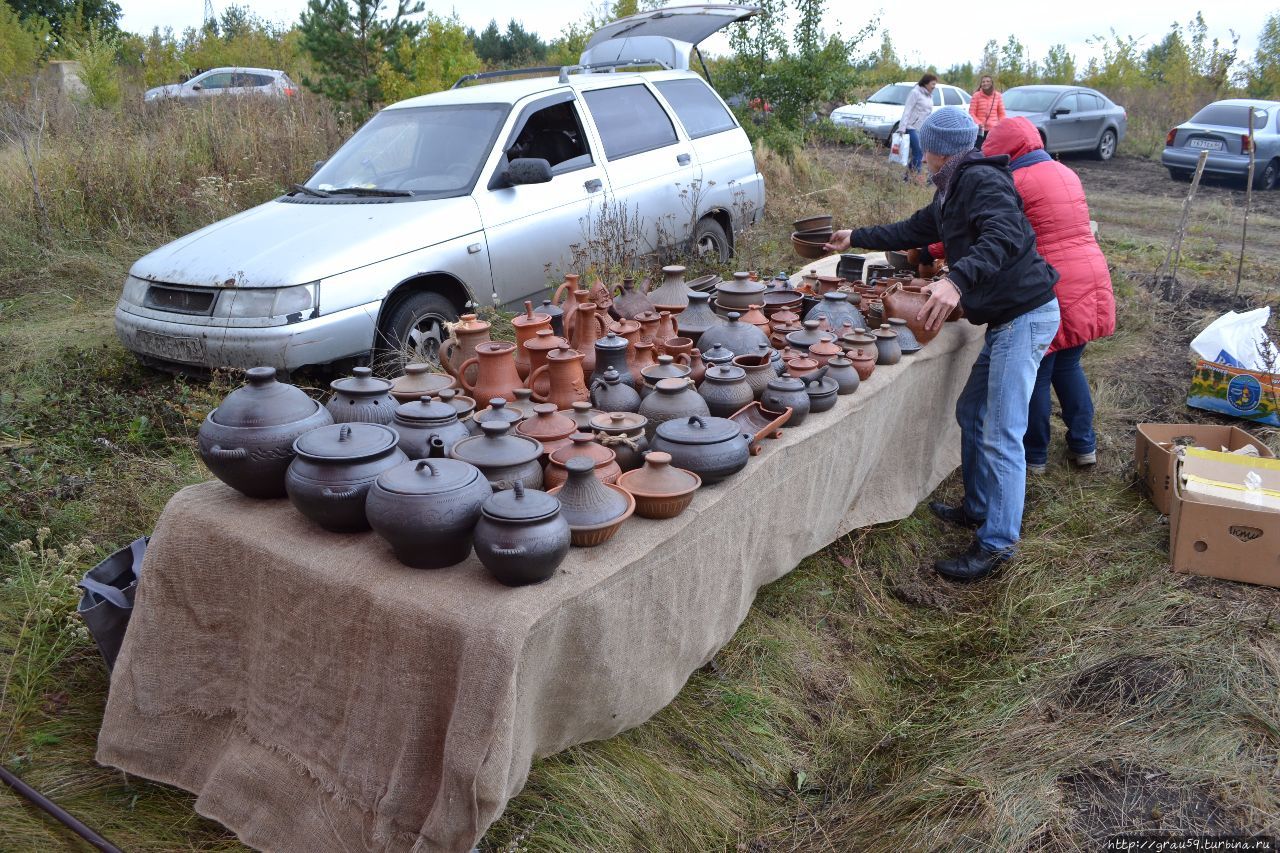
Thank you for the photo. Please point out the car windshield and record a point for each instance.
(1231, 115)
(436, 151)
(1029, 100)
(895, 93)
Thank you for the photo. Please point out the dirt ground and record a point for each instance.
(1139, 176)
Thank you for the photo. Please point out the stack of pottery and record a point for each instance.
(419, 380)
(811, 234)
(673, 294)
(428, 510)
(739, 294)
(247, 441)
(660, 490)
(594, 510)
(361, 397)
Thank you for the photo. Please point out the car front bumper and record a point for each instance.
(1219, 162)
(168, 341)
(876, 128)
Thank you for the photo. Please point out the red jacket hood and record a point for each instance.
(1014, 136)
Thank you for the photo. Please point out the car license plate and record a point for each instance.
(171, 347)
(1207, 144)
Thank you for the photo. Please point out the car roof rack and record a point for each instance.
(563, 70)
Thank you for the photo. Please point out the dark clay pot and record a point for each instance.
(427, 510)
(502, 456)
(736, 336)
(846, 377)
(623, 433)
(361, 397)
(247, 441)
(418, 422)
(521, 536)
(611, 352)
(611, 394)
(712, 448)
(672, 398)
(822, 391)
(787, 392)
(335, 466)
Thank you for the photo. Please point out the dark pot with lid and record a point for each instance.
(736, 336)
(502, 456)
(334, 468)
(247, 441)
(809, 335)
(611, 352)
(712, 448)
(611, 394)
(623, 433)
(427, 510)
(786, 392)
(822, 391)
(521, 537)
(361, 398)
(417, 422)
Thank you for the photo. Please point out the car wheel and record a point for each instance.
(710, 240)
(412, 330)
(1179, 174)
(1106, 145)
(1268, 177)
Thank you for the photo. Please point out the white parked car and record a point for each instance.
(879, 115)
(473, 195)
(269, 82)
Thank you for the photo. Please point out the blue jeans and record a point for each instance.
(917, 152)
(992, 412)
(1060, 370)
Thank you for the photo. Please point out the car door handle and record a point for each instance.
(593, 185)
(683, 159)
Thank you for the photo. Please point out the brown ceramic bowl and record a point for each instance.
(598, 534)
(811, 222)
(898, 260)
(659, 506)
(814, 234)
(809, 250)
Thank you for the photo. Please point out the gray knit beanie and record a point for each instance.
(947, 132)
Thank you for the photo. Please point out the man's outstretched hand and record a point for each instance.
(943, 299)
(839, 241)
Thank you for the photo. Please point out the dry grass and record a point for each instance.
(864, 705)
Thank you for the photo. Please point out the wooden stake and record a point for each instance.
(1248, 202)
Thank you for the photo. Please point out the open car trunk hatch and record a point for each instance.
(665, 35)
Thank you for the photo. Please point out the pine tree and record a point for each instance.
(348, 42)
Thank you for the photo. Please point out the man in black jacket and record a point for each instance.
(999, 279)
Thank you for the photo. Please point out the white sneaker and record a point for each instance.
(1037, 470)
(1084, 460)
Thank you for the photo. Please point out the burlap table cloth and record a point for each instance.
(317, 695)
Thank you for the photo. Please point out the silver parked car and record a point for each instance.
(1070, 118)
(1222, 129)
(878, 115)
(269, 82)
(476, 194)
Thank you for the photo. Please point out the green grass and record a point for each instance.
(863, 705)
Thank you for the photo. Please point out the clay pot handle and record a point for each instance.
(228, 453)
(445, 348)
(537, 398)
(697, 419)
(343, 494)
(461, 375)
(517, 551)
(681, 358)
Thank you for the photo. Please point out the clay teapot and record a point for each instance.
(667, 329)
(526, 326)
(697, 367)
(611, 354)
(497, 375)
(467, 334)
(568, 383)
(649, 322)
(361, 397)
(642, 356)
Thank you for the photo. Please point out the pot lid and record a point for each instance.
(835, 296)
(700, 295)
(725, 373)
(529, 317)
(583, 444)
(657, 477)
(666, 368)
(547, 423)
(698, 430)
(461, 403)
(426, 410)
(346, 442)
(885, 331)
(550, 309)
(611, 376)
(419, 379)
(497, 447)
(428, 477)
(263, 402)
(742, 285)
(545, 339)
(786, 384)
(615, 423)
(817, 386)
(499, 411)
(520, 504)
(612, 341)
(361, 383)
(717, 354)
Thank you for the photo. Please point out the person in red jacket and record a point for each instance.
(986, 107)
(1054, 202)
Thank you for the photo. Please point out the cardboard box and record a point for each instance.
(1155, 459)
(1234, 391)
(1231, 539)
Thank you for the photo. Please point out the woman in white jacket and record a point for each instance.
(919, 106)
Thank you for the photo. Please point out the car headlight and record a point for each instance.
(271, 301)
(135, 290)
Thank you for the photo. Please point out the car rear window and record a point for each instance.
(1231, 115)
(630, 120)
(952, 97)
(697, 107)
(1029, 100)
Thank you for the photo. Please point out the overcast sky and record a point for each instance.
(927, 33)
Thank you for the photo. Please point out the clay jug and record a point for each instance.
(673, 294)
(864, 361)
(611, 353)
(567, 381)
(527, 325)
(697, 367)
(907, 303)
(469, 333)
(586, 330)
(496, 374)
(630, 301)
(564, 295)
(649, 327)
(666, 329)
(543, 342)
(642, 355)
(628, 329)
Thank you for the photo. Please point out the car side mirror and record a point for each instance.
(196, 87)
(1057, 113)
(527, 170)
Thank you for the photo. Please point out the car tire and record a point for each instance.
(1106, 145)
(412, 329)
(710, 239)
(1179, 174)
(1268, 178)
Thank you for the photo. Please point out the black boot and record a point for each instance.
(974, 564)
(954, 515)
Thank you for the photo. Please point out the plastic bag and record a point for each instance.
(107, 602)
(900, 149)
(1239, 340)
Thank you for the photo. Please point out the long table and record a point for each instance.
(315, 694)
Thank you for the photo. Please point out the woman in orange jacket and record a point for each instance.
(986, 108)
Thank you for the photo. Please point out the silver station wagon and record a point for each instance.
(476, 195)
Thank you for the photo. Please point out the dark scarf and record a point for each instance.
(1030, 159)
(942, 180)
